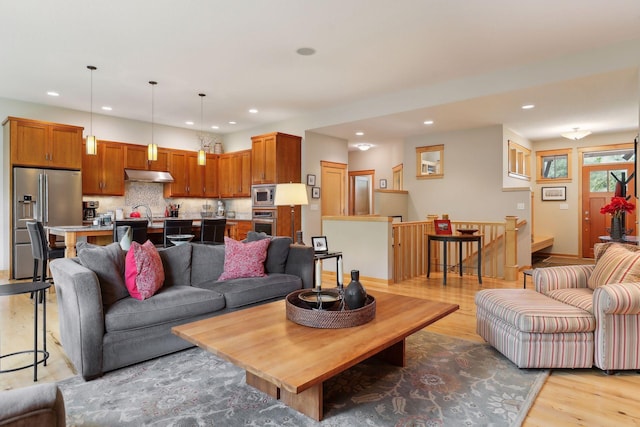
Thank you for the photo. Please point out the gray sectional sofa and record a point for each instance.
(102, 328)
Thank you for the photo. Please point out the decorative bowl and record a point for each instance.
(467, 230)
(180, 239)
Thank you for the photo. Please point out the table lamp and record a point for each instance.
(291, 194)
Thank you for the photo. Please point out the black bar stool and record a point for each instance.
(41, 252)
(212, 231)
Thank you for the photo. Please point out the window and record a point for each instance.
(519, 161)
(553, 165)
(430, 161)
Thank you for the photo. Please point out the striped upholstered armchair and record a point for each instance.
(610, 291)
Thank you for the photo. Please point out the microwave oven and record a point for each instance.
(263, 195)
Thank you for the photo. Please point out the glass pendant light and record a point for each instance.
(152, 149)
(202, 155)
(91, 143)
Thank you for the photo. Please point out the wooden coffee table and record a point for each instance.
(290, 362)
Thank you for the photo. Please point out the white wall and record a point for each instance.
(564, 224)
(381, 158)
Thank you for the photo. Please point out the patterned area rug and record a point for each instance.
(448, 382)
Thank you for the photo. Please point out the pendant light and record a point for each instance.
(91, 143)
(152, 149)
(202, 155)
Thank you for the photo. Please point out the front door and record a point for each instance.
(598, 186)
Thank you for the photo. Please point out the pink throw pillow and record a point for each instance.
(143, 271)
(244, 259)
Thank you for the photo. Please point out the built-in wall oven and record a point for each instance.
(265, 221)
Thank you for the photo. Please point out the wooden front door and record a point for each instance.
(598, 186)
(333, 178)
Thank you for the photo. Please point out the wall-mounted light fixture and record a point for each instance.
(152, 149)
(91, 143)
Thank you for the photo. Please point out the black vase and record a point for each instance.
(355, 295)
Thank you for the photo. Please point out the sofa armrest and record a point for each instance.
(571, 276)
(80, 314)
(300, 263)
(36, 405)
(618, 298)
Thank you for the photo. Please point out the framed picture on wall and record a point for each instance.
(315, 193)
(383, 183)
(311, 180)
(554, 193)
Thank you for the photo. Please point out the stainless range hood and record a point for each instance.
(147, 176)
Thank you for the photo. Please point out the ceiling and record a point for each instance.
(380, 67)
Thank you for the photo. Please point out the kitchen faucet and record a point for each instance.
(147, 210)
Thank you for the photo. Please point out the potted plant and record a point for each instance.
(618, 207)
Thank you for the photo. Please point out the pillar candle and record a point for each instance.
(340, 282)
(318, 274)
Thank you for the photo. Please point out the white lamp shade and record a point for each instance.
(91, 146)
(152, 152)
(291, 194)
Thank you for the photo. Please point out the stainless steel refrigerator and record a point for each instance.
(48, 195)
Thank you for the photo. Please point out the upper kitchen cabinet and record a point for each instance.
(234, 170)
(211, 188)
(189, 178)
(44, 144)
(135, 157)
(276, 158)
(103, 174)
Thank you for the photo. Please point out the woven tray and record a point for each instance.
(299, 312)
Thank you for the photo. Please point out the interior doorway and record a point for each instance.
(333, 178)
(361, 192)
(601, 173)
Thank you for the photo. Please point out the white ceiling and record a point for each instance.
(381, 67)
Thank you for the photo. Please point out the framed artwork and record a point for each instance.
(315, 193)
(383, 183)
(319, 243)
(311, 180)
(443, 226)
(554, 193)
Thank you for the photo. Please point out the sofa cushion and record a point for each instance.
(176, 261)
(108, 264)
(168, 305)
(207, 263)
(616, 264)
(243, 259)
(577, 297)
(277, 252)
(244, 291)
(143, 271)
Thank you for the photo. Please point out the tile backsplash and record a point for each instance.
(151, 194)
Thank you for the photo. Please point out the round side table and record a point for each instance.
(38, 289)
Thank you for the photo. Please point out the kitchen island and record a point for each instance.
(103, 234)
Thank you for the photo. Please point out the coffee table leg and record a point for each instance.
(394, 355)
(308, 402)
(263, 385)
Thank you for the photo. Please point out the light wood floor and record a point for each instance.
(569, 397)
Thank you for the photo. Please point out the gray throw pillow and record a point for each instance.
(277, 252)
(176, 261)
(108, 264)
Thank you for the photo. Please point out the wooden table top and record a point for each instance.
(264, 342)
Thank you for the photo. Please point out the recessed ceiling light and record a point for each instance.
(359, 133)
(253, 111)
(215, 127)
(233, 123)
(528, 106)
(106, 108)
(52, 93)
(428, 122)
(189, 122)
(306, 51)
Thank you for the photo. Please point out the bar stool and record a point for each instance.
(212, 231)
(176, 226)
(41, 251)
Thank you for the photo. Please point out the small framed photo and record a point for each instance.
(554, 193)
(319, 243)
(315, 193)
(443, 226)
(311, 180)
(383, 183)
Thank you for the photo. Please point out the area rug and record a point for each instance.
(447, 382)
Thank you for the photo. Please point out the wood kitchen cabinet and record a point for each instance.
(234, 171)
(276, 158)
(103, 174)
(190, 178)
(44, 144)
(135, 157)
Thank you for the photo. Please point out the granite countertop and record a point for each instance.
(158, 222)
